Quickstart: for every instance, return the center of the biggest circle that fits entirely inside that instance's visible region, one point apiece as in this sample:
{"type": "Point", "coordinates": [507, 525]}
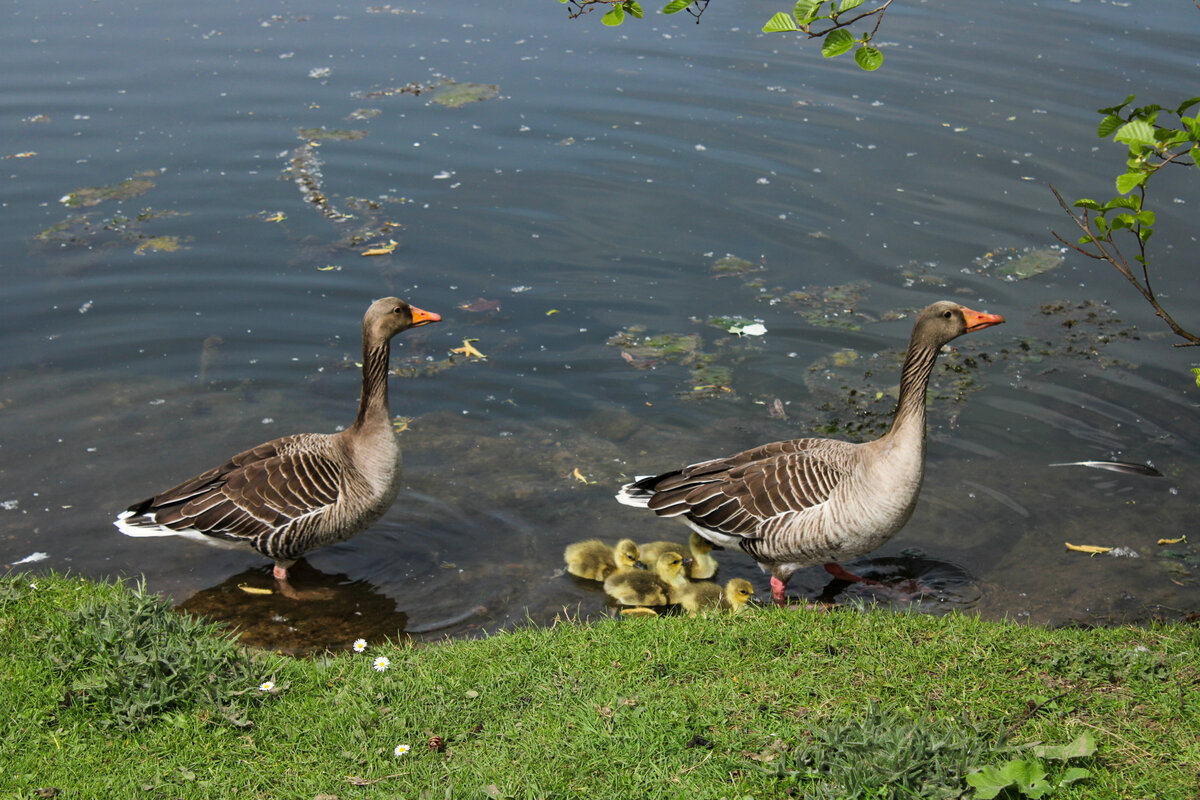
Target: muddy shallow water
{"type": "Point", "coordinates": [188, 196]}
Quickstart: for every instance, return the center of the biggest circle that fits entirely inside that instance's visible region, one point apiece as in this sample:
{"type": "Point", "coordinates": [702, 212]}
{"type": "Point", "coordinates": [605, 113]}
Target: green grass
{"type": "Point", "coordinates": [638, 708]}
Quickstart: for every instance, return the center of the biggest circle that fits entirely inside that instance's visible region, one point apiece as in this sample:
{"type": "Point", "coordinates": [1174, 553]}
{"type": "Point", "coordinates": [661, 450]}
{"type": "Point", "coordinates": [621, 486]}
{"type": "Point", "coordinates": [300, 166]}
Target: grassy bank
{"type": "Point", "coordinates": [767, 704]}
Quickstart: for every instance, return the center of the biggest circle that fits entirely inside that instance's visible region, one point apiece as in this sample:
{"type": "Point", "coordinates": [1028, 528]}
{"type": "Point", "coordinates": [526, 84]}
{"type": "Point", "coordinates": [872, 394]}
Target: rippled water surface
{"type": "Point", "coordinates": [187, 189]}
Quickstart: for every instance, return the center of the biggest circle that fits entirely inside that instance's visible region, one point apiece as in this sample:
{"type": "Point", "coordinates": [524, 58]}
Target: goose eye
{"type": "Point", "coordinates": [397, 310]}
{"type": "Point", "coordinates": [947, 314]}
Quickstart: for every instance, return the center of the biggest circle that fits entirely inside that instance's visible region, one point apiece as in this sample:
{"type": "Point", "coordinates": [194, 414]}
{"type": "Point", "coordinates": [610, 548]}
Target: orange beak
{"type": "Point", "coordinates": [978, 320]}
{"type": "Point", "coordinates": [422, 317]}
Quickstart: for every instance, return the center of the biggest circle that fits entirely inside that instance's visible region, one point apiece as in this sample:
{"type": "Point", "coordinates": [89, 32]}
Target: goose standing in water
{"type": "Point", "coordinates": [803, 502]}
{"type": "Point", "coordinates": [300, 492]}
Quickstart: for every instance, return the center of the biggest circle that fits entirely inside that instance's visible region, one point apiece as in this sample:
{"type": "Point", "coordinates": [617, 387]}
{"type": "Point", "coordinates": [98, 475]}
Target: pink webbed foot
{"type": "Point", "coordinates": [903, 591]}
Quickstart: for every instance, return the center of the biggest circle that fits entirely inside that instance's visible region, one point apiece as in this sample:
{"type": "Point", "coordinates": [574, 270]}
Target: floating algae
{"type": "Point", "coordinates": [731, 266]}
{"type": "Point", "coordinates": [161, 244]}
{"type": "Point", "coordinates": [454, 95]}
{"type": "Point", "coordinates": [1014, 265]}
{"type": "Point", "coordinates": [86, 196]}
{"type": "Point", "coordinates": [330, 134]}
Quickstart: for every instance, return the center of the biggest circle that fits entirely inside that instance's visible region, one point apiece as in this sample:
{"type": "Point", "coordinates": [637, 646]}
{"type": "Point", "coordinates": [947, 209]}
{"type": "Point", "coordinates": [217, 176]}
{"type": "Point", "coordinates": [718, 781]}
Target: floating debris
{"type": "Point", "coordinates": [381, 250]}
{"type": "Point", "coordinates": [86, 196]}
{"type": "Point", "coordinates": [468, 349]}
{"type": "Point", "coordinates": [1019, 265]}
{"type": "Point", "coordinates": [1090, 549]}
{"type": "Point", "coordinates": [825, 306]}
{"type": "Point", "coordinates": [412, 87]}
{"type": "Point", "coordinates": [1180, 540]}
{"type": "Point", "coordinates": [31, 559]}
{"type": "Point", "coordinates": [454, 95]}
{"type": "Point", "coordinates": [27, 154]}
{"type": "Point", "coordinates": [731, 266]}
{"type": "Point", "coordinates": [304, 169]}
{"type": "Point", "coordinates": [480, 306]}
{"type": "Point", "coordinates": [1124, 467]}
{"type": "Point", "coordinates": [363, 114]}
{"type": "Point", "coordinates": [162, 244]}
{"type": "Point", "coordinates": [330, 134]}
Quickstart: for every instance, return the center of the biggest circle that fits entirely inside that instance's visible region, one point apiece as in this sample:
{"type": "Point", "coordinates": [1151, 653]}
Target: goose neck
{"type": "Point", "coordinates": [914, 382]}
{"type": "Point", "coordinates": [373, 403]}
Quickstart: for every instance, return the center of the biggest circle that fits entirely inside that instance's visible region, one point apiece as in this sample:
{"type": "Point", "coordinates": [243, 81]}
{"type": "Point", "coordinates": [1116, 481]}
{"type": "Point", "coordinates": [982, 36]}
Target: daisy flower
{"type": "Point", "coordinates": [266, 686]}
{"type": "Point", "coordinates": [400, 750]}
{"type": "Point", "coordinates": [382, 663]}
{"type": "Point", "coordinates": [360, 645]}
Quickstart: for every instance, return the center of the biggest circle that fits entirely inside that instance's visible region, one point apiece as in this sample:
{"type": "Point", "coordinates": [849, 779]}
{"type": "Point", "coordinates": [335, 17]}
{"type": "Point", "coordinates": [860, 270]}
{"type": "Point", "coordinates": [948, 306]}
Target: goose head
{"type": "Point", "coordinates": [670, 568]}
{"type": "Point", "coordinates": [625, 554]}
{"type": "Point", "coordinates": [737, 592]}
{"type": "Point", "coordinates": [946, 320]}
{"type": "Point", "coordinates": [388, 316]}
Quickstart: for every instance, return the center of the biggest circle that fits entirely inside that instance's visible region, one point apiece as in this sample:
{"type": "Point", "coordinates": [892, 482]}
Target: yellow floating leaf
{"type": "Point", "coordinates": [400, 424]}
{"type": "Point", "coordinates": [1173, 541]}
{"type": "Point", "coordinates": [29, 154]}
{"type": "Point", "coordinates": [551, 312]}
{"type": "Point", "coordinates": [278, 216]}
{"type": "Point", "coordinates": [468, 349]}
{"type": "Point", "coordinates": [1088, 548]}
{"type": "Point", "coordinates": [382, 250]}
{"type": "Point", "coordinates": [253, 589]}
{"type": "Point", "coordinates": [328, 268]}
{"type": "Point", "coordinates": [577, 475]}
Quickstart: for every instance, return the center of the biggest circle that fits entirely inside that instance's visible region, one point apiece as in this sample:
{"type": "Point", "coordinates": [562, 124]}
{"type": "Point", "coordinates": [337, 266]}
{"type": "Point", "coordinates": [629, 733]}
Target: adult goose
{"type": "Point", "coordinates": [815, 501]}
{"type": "Point", "coordinates": [294, 494]}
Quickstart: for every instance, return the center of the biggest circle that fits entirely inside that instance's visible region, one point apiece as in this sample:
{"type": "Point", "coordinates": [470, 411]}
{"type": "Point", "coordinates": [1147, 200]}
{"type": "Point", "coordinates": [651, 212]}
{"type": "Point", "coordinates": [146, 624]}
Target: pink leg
{"type": "Point", "coordinates": [280, 573]}
{"type": "Point", "coordinates": [843, 574]}
{"type": "Point", "coordinates": [777, 589]}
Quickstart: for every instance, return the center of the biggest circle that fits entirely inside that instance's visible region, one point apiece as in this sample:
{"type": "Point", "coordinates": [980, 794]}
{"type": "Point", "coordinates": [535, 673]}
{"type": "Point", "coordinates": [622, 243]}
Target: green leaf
{"type": "Point", "coordinates": [846, 5]}
{"type": "Point", "coordinates": [868, 58]}
{"type": "Point", "coordinates": [780, 23]}
{"type": "Point", "coordinates": [1195, 153]}
{"type": "Point", "coordinates": [675, 6]}
{"type": "Point", "coordinates": [1085, 203]}
{"type": "Point", "coordinates": [1137, 132]}
{"type": "Point", "coordinates": [806, 10]}
{"type": "Point", "coordinates": [837, 42]}
{"type": "Point", "coordinates": [1116, 109]}
{"type": "Point", "coordinates": [1130, 181]}
{"type": "Point", "coordinates": [614, 17]}
{"type": "Point", "coordinates": [1074, 775]}
{"type": "Point", "coordinates": [1120, 221]}
{"type": "Point", "coordinates": [1193, 127]}
{"type": "Point", "coordinates": [1132, 202]}
{"type": "Point", "coordinates": [1102, 226]}
{"type": "Point", "coordinates": [1196, 372]}
{"type": "Point", "coordinates": [1108, 125]}
{"type": "Point", "coordinates": [633, 8]}
{"type": "Point", "coordinates": [990, 781]}
{"type": "Point", "coordinates": [1146, 220]}
{"type": "Point", "coordinates": [1086, 240]}
{"type": "Point", "coordinates": [1186, 104]}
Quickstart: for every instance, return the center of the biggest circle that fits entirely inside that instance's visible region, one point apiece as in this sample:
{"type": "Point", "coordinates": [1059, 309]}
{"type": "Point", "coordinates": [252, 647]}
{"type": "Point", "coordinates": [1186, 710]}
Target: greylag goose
{"type": "Point", "coordinates": [593, 560]}
{"type": "Point", "coordinates": [640, 587]}
{"type": "Point", "coordinates": [803, 502]}
{"type": "Point", "coordinates": [707, 596]}
{"type": "Point", "coordinates": [294, 494]}
{"type": "Point", "coordinates": [703, 565]}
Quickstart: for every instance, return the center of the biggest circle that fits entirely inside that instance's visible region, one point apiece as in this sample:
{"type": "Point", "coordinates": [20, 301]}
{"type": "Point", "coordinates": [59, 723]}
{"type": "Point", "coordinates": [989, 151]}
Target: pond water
{"type": "Point", "coordinates": [188, 189]}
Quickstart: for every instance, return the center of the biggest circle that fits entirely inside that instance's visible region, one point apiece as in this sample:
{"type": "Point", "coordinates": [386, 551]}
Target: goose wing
{"type": "Point", "coordinates": [254, 494]}
{"type": "Point", "coordinates": [738, 495]}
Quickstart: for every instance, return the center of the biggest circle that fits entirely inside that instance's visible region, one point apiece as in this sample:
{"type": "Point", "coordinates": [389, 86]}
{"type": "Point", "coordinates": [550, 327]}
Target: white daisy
{"type": "Point", "coordinates": [400, 750]}
{"type": "Point", "coordinates": [360, 645]}
{"type": "Point", "coordinates": [266, 686]}
{"type": "Point", "coordinates": [381, 663]}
